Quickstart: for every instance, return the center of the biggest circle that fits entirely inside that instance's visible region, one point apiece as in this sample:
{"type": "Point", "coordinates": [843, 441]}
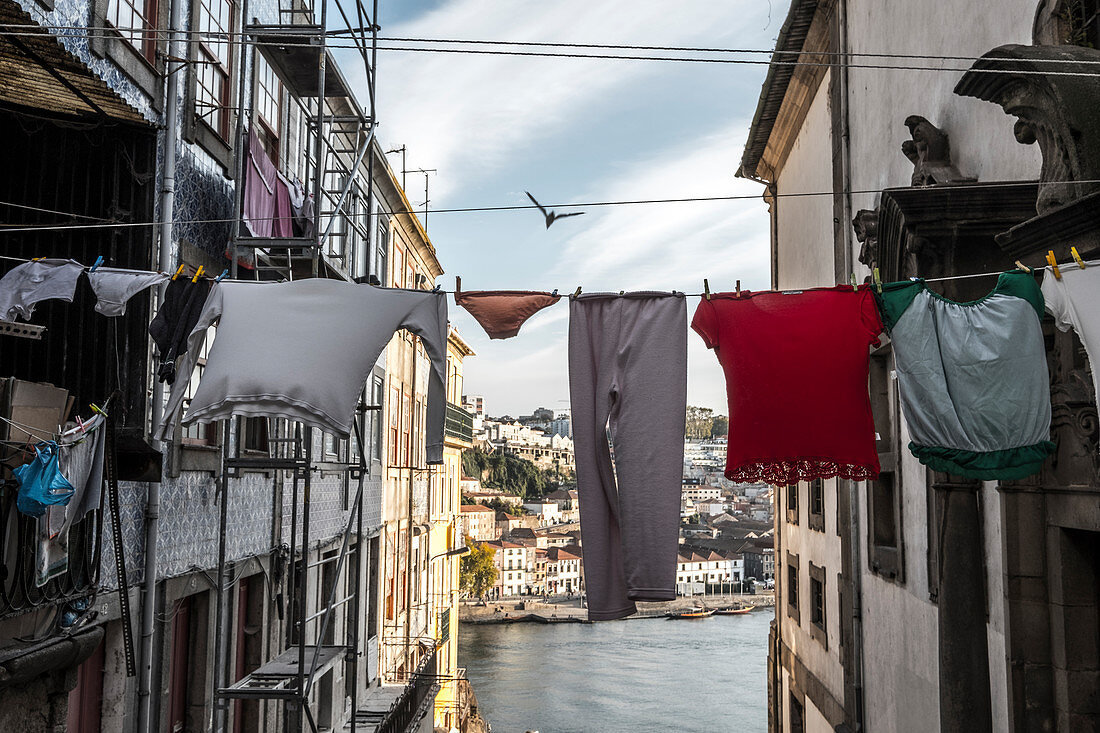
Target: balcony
{"type": "Point", "coordinates": [459, 425]}
{"type": "Point", "coordinates": [23, 588]}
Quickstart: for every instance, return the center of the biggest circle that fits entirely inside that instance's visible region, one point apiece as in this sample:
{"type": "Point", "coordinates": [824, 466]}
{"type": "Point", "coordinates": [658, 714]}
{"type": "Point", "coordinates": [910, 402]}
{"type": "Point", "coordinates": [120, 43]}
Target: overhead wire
{"type": "Point", "coordinates": [235, 38]}
{"type": "Point", "coordinates": [16, 229]}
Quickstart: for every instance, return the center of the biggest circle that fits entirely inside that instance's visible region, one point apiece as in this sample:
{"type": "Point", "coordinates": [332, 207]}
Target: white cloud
{"type": "Point", "coordinates": [675, 245]}
{"type": "Point", "coordinates": [469, 115]}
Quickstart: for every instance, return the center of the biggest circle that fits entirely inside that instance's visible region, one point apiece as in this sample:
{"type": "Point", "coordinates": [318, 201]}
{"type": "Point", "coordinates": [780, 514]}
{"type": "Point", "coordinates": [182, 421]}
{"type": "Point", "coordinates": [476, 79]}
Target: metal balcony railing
{"type": "Point", "coordinates": [459, 424]}
{"type": "Point", "coordinates": [418, 693]}
{"type": "Point", "coordinates": [19, 556]}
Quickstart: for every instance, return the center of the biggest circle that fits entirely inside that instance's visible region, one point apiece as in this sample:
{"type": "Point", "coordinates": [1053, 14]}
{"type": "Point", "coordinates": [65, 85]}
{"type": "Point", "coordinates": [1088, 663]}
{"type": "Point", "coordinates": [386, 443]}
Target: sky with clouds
{"type": "Point", "coordinates": [576, 130]}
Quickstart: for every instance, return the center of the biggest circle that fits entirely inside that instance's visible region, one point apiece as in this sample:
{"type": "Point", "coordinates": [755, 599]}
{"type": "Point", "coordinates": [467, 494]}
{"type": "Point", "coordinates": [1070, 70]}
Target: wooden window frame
{"type": "Point", "coordinates": [816, 504]}
{"type": "Point", "coordinates": [142, 39]}
{"type": "Point", "coordinates": [818, 605]}
{"type": "Point", "coordinates": [791, 501]}
{"type": "Point", "coordinates": [792, 588]}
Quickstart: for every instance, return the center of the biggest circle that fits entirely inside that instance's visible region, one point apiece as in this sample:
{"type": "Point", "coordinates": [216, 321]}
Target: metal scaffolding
{"type": "Point", "coordinates": [339, 134]}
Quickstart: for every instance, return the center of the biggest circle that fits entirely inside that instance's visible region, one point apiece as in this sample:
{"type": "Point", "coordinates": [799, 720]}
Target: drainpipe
{"type": "Point", "coordinates": [148, 709]}
{"type": "Point", "coordinates": [845, 268]}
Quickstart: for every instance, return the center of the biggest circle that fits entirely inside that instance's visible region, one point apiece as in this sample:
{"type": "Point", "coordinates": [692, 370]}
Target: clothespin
{"type": "Point", "coordinates": [706, 289]}
{"type": "Point", "coordinates": [1077, 256]}
{"type": "Point", "coordinates": [1053, 265]}
{"type": "Point", "coordinates": [198, 273]}
{"type": "Point", "coordinates": [436, 288]}
{"type": "Point", "coordinates": [178, 271]}
{"type": "Point", "coordinates": [458, 284]}
{"type": "Point", "coordinates": [555, 292]}
{"type": "Point", "coordinates": [738, 288]}
{"type": "Point", "coordinates": [853, 279]}
{"type": "Point", "coordinates": [1022, 266]}
{"type": "Point", "coordinates": [876, 279]}
{"type": "Point", "coordinates": [97, 263]}
{"type": "Point", "coordinates": [96, 409]}
{"type": "Point", "coordinates": [221, 277]}
{"type": "Point", "coordinates": [577, 292]}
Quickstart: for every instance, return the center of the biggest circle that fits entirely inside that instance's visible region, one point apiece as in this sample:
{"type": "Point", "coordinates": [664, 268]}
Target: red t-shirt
{"type": "Point", "coordinates": [796, 378]}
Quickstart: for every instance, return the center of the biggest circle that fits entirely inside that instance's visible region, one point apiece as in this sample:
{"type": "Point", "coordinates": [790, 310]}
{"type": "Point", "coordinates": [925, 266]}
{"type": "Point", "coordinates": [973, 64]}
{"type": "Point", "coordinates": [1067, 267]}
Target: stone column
{"type": "Point", "coordinates": [964, 651]}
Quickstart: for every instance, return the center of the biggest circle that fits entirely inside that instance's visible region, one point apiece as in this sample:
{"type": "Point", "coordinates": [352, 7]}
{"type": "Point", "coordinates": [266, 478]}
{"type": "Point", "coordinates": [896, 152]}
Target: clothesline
{"type": "Point", "coordinates": [580, 290]}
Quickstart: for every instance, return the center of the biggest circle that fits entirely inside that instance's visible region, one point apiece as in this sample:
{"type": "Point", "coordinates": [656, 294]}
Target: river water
{"type": "Point", "coordinates": [621, 676]}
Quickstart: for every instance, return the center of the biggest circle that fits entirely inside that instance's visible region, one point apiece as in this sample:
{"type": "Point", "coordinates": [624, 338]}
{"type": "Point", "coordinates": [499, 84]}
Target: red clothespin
{"type": "Point", "coordinates": [1053, 265]}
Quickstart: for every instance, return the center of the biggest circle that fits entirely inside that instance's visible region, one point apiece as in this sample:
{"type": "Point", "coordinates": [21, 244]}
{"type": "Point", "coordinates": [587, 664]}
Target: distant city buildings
{"type": "Point", "coordinates": [726, 535]}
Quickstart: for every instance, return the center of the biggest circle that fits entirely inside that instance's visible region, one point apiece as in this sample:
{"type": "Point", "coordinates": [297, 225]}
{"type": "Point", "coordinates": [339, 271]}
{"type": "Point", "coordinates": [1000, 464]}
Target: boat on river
{"type": "Point", "coordinates": [734, 611]}
{"type": "Point", "coordinates": [692, 613]}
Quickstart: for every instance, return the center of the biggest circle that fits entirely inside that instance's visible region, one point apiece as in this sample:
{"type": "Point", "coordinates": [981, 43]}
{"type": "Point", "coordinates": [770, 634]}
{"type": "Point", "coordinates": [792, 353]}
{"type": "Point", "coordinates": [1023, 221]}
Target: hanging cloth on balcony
{"type": "Point", "coordinates": [302, 350]}
{"type": "Point", "coordinates": [267, 209]}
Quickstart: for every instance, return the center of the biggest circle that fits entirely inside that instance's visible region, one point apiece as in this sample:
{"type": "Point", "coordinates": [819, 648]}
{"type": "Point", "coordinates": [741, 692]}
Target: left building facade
{"type": "Point", "coordinates": [143, 146]}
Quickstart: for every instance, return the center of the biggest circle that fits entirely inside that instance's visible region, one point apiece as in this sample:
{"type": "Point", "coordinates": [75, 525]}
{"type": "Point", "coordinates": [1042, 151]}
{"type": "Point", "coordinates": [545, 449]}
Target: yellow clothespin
{"type": "Point", "coordinates": [198, 272]}
{"type": "Point", "coordinates": [1022, 266]}
{"type": "Point", "coordinates": [178, 271]}
{"type": "Point", "coordinates": [1053, 265]}
{"type": "Point", "coordinates": [577, 292]}
{"type": "Point", "coordinates": [877, 279]}
{"type": "Point", "coordinates": [738, 288]}
{"type": "Point", "coordinates": [1077, 257]}
{"type": "Point", "coordinates": [853, 279]}
{"type": "Point", "coordinates": [706, 289]}
{"type": "Point", "coordinates": [95, 408]}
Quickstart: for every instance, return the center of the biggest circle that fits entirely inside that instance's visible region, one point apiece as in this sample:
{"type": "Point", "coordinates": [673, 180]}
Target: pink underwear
{"type": "Point", "coordinates": [502, 312]}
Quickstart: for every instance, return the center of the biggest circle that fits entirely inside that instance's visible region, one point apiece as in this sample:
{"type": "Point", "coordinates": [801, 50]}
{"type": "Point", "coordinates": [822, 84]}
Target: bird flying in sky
{"type": "Point", "coordinates": [550, 215]}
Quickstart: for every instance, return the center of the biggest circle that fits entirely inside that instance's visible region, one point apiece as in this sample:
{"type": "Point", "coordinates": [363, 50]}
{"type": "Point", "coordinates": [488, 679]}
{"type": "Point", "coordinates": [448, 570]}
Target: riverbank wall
{"type": "Point", "coordinates": [572, 611]}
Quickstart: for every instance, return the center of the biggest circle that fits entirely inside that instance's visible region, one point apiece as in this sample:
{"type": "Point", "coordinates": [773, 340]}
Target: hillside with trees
{"type": "Point", "coordinates": [510, 474]}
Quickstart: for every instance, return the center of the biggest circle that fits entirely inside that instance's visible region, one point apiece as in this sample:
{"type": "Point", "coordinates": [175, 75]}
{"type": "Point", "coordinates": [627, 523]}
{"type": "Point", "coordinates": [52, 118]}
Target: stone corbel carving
{"type": "Point", "coordinates": [1054, 109]}
{"type": "Point", "coordinates": [930, 153]}
{"type": "Point", "coordinates": [865, 225]}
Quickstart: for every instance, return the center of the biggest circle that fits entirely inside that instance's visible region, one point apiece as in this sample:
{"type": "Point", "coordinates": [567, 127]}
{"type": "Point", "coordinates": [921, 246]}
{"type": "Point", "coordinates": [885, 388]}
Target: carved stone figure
{"type": "Point", "coordinates": [865, 225]}
{"type": "Point", "coordinates": [930, 153]}
{"type": "Point", "coordinates": [1055, 110]}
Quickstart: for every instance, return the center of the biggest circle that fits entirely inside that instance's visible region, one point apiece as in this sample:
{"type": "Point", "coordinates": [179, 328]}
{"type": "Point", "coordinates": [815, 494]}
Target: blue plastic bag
{"type": "Point", "coordinates": [41, 483]}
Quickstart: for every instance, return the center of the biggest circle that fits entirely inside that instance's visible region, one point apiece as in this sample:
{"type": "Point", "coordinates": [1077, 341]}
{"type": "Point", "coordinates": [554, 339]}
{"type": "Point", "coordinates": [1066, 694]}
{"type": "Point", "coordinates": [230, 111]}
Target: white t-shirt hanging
{"type": "Point", "coordinates": [1074, 301]}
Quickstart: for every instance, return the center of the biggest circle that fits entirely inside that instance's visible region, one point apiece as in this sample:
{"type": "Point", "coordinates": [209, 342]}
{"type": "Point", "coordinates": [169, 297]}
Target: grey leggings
{"type": "Point", "coordinates": [628, 388]}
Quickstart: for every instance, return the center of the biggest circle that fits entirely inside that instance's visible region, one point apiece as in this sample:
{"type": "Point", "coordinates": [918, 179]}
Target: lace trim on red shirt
{"type": "Point", "coordinates": [789, 472]}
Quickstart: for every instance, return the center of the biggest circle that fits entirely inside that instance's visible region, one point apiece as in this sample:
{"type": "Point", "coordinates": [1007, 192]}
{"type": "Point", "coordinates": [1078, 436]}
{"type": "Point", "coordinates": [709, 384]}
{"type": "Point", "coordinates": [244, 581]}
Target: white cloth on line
{"type": "Point", "coordinates": [1074, 301]}
{"type": "Point", "coordinates": [114, 287]}
{"type": "Point", "coordinates": [302, 350]}
{"type": "Point", "coordinates": [32, 282]}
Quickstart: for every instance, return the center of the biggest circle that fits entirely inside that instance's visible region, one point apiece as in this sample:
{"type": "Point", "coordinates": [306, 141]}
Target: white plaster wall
{"type": "Point", "coordinates": [806, 222]}
{"type": "Point", "coordinates": [814, 721]}
{"type": "Point", "coordinates": [900, 632]}
{"type": "Point", "coordinates": [824, 550]}
{"type": "Point", "coordinates": [982, 143]}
